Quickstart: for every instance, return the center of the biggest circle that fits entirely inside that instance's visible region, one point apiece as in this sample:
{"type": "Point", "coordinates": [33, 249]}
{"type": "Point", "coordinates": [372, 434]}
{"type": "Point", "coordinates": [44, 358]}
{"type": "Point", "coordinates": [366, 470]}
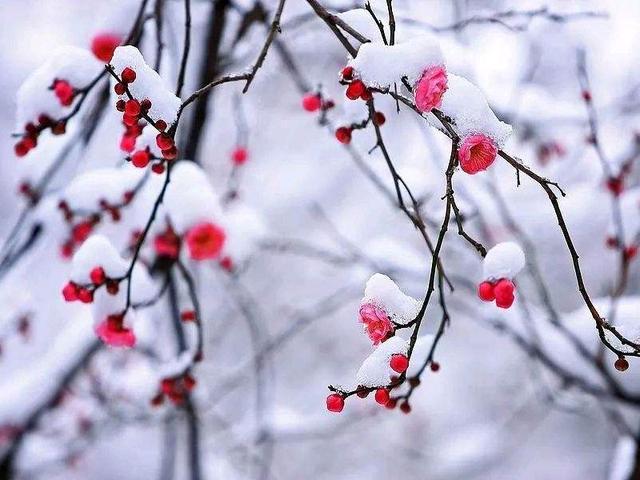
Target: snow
{"type": "Point", "coordinates": [76, 65]}
{"type": "Point", "coordinates": [38, 381]}
{"type": "Point", "coordinates": [245, 228]}
{"type": "Point", "coordinates": [623, 459]}
{"type": "Point", "coordinates": [190, 199]}
{"type": "Point", "coordinates": [379, 65]}
{"type": "Point", "coordinates": [96, 251]}
{"type": "Point", "coordinates": [87, 189]}
{"type": "Point", "coordinates": [382, 291]}
{"type": "Point", "coordinates": [375, 370]}
{"type": "Point", "coordinates": [504, 260]}
{"type": "Point", "coordinates": [419, 354]}
{"type": "Point", "coordinates": [466, 105]}
{"type": "Point", "coordinates": [147, 85]}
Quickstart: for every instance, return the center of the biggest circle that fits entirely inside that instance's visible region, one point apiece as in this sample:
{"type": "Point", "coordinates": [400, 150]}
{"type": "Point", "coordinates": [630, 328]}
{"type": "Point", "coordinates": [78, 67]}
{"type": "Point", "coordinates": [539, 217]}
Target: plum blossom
{"type": "Point", "coordinates": [377, 324]}
{"type": "Point", "coordinates": [476, 153]}
{"type": "Point", "coordinates": [113, 332]}
{"type": "Point", "coordinates": [205, 241]}
{"type": "Point", "coordinates": [430, 88]}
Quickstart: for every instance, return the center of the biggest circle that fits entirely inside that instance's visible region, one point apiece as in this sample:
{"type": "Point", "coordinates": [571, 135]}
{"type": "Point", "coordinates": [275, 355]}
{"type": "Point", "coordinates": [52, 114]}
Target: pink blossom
{"type": "Point", "coordinates": [377, 324]}
{"type": "Point", "coordinates": [476, 153]}
{"type": "Point", "coordinates": [113, 332]}
{"type": "Point", "coordinates": [430, 88]}
{"type": "Point", "coordinates": [205, 240]}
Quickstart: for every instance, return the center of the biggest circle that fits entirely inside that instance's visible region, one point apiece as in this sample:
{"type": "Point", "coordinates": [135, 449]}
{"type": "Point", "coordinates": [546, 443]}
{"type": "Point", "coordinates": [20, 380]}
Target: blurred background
{"type": "Point", "coordinates": [283, 325]}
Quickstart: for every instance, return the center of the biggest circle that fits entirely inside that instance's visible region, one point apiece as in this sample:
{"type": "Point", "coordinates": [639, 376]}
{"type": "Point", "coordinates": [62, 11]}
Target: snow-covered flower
{"type": "Point", "coordinates": [430, 88]}
{"type": "Point", "coordinates": [377, 324]}
{"type": "Point", "coordinates": [476, 153]}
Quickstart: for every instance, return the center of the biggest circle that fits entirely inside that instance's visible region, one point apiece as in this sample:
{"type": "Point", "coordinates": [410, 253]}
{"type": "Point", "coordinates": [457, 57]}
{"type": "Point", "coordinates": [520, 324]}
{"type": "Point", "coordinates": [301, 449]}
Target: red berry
{"type": "Point", "coordinates": [504, 293]}
{"type": "Point", "coordinates": [366, 95]}
{"type": "Point", "coordinates": [434, 366]}
{"type": "Point", "coordinates": [128, 75]}
{"type": "Point", "coordinates": [119, 88]}
{"type": "Point", "coordinates": [343, 134]}
{"type": "Point", "coordinates": [611, 242]}
{"type": "Point", "coordinates": [59, 128]}
{"type": "Point", "coordinates": [630, 252]}
{"type": "Point", "coordinates": [347, 73]}
{"type": "Point", "coordinates": [586, 95]}
{"type": "Point", "coordinates": [391, 404]}
{"type": "Point", "coordinates": [157, 168]}
{"type": "Point", "coordinates": [44, 120]}
{"type": "Point", "coordinates": [64, 91]}
{"type": "Point", "coordinates": [161, 125]}
{"type": "Point", "coordinates": [129, 120]}
{"type": "Point", "coordinates": [145, 105]}
{"type": "Point", "coordinates": [132, 108]}
{"type": "Point", "coordinates": [127, 143]}
{"type": "Point", "coordinates": [335, 403]}
{"type": "Point", "coordinates": [239, 155]}
{"type": "Point", "coordinates": [164, 141]}
{"type": "Point", "coordinates": [170, 153]}
{"type": "Point", "coordinates": [81, 231]}
{"type": "Point", "coordinates": [140, 158]}
{"type": "Point", "coordinates": [621, 364]}
{"type": "Point", "coordinates": [70, 292]}
{"type": "Point", "coordinates": [21, 148]}
{"type": "Point", "coordinates": [66, 250]}
{"type": "Point", "coordinates": [189, 382]}
{"type": "Point", "coordinates": [615, 185]}
{"type": "Point", "coordinates": [188, 316]}
{"type": "Point", "coordinates": [85, 295]}
{"type": "Point", "coordinates": [226, 263]}
{"type": "Point", "coordinates": [120, 105]}
{"type": "Point", "coordinates": [399, 363]}
{"type": "Point", "coordinates": [382, 396]}
{"type": "Point", "coordinates": [30, 142]}
{"type": "Point", "coordinates": [405, 407]}
{"type": "Point", "coordinates": [311, 102]}
{"type": "Point", "coordinates": [104, 44]}
{"type": "Point", "coordinates": [112, 287]}
{"type": "Point", "coordinates": [355, 90]}
{"type": "Point", "coordinates": [362, 393]}
{"type": "Point", "coordinates": [97, 276]}
{"type": "Point", "coordinates": [31, 129]}
{"type": "Point", "coordinates": [379, 119]}
{"type": "Point", "coordinates": [485, 292]}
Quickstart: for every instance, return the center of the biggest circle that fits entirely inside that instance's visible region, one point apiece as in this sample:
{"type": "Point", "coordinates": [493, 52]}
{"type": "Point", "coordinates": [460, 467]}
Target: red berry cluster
{"type": "Point", "coordinates": [29, 139]}
{"type": "Point", "coordinates": [84, 293]}
{"type": "Point", "coordinates": [81, 228]}
{"type": "Point", "coordinates": [356, 89]}
{"type": "Point", "coordinates": [312, 102]}
{"type": "Point", "coordinates": [502, 291]}
{"type": "Point", "coordinates": [133, 112]}
{"type": "Point", "coordinates": [398, 363]}
{"type": "Point", "coordinates": [176, 389]}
